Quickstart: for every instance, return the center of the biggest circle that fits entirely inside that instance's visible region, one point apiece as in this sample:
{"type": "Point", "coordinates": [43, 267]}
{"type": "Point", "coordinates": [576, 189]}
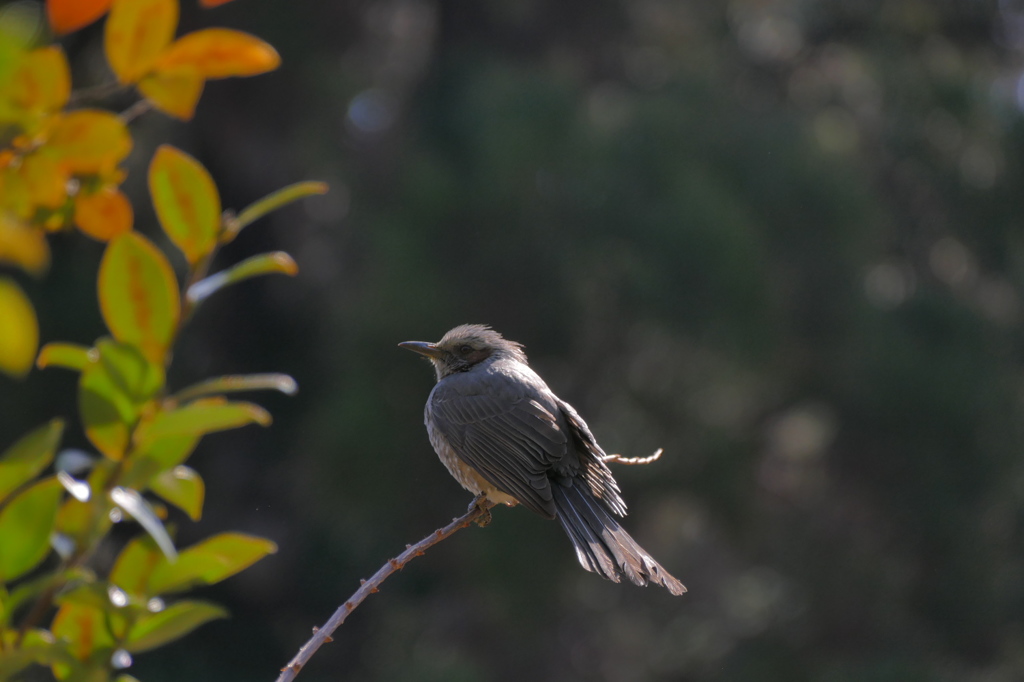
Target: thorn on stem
{"type": "Point", "coordinates": [328, 639]}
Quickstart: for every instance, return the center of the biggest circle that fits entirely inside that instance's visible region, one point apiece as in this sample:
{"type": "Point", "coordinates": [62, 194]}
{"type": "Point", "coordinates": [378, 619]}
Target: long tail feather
{"type": "Point", "coordinates": [602, 545]}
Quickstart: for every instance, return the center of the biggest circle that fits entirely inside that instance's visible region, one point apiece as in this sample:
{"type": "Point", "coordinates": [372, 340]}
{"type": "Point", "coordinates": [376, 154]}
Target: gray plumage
{"type": "Point", "coordinates": [503, 433]}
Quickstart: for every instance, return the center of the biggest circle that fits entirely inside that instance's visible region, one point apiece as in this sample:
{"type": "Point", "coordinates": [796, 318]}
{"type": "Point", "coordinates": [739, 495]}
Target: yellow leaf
{"type": "Point", "coordinates": [220, 53]}
{"type": "Point", "coordinates": [137, 32]}
{"type": "Point", "coordinates": [23, 246]}
{"type": "Point", "coordinates": [186, 202]}
{"type": "Point", "coordinates": [45, 180]}
{"type": "Point", "coordinates": [19, 331]}
{"type": "Point", "coordinates": [174, 91]}
{"type": "Point", "coordinates": [104, 214]}
{"type": "Point", "coordinates": [89, 141]}
{"type": "Point", "coordinates": [43, 82]}
{"type": "Point", "coordinates": [139, 295]}
{"type": "Point", "coordinates": [70, 15]}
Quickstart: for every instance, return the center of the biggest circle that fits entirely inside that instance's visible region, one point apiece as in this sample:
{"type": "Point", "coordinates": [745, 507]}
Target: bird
{"type": "Point", "coordinates": [508, 439]}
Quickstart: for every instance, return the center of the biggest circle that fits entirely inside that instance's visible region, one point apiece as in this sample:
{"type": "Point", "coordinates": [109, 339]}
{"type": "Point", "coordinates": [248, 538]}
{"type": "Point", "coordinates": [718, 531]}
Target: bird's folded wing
{"type": "Point", "coordinates": [512, 443]}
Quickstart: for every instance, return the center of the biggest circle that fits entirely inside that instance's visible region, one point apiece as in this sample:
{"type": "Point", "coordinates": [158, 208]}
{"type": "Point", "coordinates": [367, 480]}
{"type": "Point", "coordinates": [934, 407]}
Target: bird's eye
{"type": "Point", "coordinates": [465, 349]}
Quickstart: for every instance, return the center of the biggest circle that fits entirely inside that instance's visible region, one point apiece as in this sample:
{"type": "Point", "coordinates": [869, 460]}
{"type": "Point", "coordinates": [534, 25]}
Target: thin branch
{"type": "Point", "coordinates": [619, 459]}
{"type": "Point", "coordinates": [478, 511]}
{"type": "Point", "coordinates": [96, 92]}
{"type": "Point", "coordinates": [135, 110]}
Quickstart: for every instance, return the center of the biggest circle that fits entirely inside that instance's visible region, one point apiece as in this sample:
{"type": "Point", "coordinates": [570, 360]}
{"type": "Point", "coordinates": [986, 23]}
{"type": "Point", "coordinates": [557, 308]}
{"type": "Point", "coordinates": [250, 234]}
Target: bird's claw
{"type": "Point", "coordinates": [481, 502]}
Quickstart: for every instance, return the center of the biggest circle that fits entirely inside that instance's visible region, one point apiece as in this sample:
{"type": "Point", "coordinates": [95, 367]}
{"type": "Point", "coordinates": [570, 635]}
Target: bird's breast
{"type": "Point", "coordinates": [466, 475]}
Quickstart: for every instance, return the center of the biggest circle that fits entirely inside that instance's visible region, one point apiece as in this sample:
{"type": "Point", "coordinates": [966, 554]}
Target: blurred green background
{"type": "Point", "coordinates": [781, 239]}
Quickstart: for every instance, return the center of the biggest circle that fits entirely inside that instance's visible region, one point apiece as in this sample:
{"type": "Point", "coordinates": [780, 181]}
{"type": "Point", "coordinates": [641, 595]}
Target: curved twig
{"type": "Point", "coordinates": [619, 459]}
{"type": "Point", "coordinates": [477, 512]}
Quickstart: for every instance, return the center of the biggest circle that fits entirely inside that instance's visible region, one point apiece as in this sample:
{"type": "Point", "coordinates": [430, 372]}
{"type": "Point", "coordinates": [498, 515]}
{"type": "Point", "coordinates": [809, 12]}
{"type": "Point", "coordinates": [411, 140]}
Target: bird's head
{"type": "Point", "coordinates": [465, 347]}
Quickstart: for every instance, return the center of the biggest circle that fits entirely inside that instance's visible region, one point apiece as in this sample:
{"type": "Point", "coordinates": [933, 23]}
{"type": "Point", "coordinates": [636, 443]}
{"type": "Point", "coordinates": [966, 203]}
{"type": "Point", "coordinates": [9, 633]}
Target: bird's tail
{"type": "Point", "coordinates": [602, 545]}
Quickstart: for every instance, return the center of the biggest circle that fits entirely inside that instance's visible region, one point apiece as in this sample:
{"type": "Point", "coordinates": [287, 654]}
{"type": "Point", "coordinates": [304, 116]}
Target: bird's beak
{"type": "Point", "coordinates": [423, 348]}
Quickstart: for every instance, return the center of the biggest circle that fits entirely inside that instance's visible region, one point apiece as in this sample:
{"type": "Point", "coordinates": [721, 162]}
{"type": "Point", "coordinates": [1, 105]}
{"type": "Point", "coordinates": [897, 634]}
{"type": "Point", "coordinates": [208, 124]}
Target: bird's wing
{"type": "Point", "coordinates": [510, 440]}
{"type": "Point", "coordinates": [595, 472]}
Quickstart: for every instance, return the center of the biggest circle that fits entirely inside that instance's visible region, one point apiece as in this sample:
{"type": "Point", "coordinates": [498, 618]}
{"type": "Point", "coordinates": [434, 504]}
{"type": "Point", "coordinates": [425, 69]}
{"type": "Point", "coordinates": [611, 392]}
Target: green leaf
{"type": "Point", "coordinates": [37, 646]}
{"type": "Point", "coordinates": [66, 355]}
{"type": "Point", "coordinates": [25, 526]}
{"type": "Point", "coordinates": [186, 202]}
{"type": "Point", "coordinates": [111, 393]}
{"type": "Point", "coordinates": [139, 295]}
{"type": "Point", "coordinates": [183, 487]}
{"type": "Point", "coordinates": [136, 506]}
{"type": "Point", "coordinates": [236, 383]}
{"type": "Point", "coordinates": [177, 620]}
{"type": "Point", "coordinates": [262, 264]}
{"type": "Point", "coordinates": [199, 418]}
{"type": "Point", "coordinates": [135, 376]}
{"type": "Point", "coordinates": [209, 561]}
{"type": "Point", "coordinates": [21, 462]}
{"type": "Point", "coordinates": [274, 201]}
{"type": "Point", "coordinates": [134, 565]}
{"type": "Point", "coordinates": [170, 451]}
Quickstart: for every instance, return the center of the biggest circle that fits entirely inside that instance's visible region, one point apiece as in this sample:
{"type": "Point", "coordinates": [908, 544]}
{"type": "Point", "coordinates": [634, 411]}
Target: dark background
{"type": "Point", "coordinates": [782, 240]}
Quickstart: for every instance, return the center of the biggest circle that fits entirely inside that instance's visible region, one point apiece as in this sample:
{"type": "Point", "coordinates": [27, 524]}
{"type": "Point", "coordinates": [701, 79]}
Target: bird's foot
{"type": "Point", "coordinates": [484, 505]}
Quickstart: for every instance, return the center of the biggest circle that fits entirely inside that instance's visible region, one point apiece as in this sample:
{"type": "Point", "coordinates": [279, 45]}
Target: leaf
{"type": "Point", "coordinates": [21, 462]}
{"type": "Point", "coordinates": [136, 34]}
{"type": "Point", "coordinates": [262, 264]}
{"type": "Point", "coordinates": [89, 141]}
{"type": "Point", "coordinates": [83, 627]}
{"type": "Point", "coordinates": [104, 214]}
{"type": "Point", "coordinates": [276, 200]}
{"type": "Point", "coordinates": [134, 565]}
{"type": "Point", "coordinates": [19, 330]}
{"type": "Point", "coordinates": [23, 246]}
{"type": "Point", "coordinates": [177, 620]}
{"type": "Point", "coordinates": [25, 526]}
{"type": "Point", "coordinates": [111, 392]}
{"type": "Point", "coordinates": [220, 53]}
{"type": "Point", "coordinates": [43, 82]}
{"type": "Point", "coordinates": [209, 562]}
{"type": "Point", "coordinates": [70, 15]}
{"type": "Point", "coordinates": [168, 451]}
{"type": "Point", "coordinates": [239, 382]}
{"type": "Point", "coordinates": [183, 487]}
{"type": "Point", "coordinates": [135, 505]}
{"type": "Point", "coordinates": [200, 418]}
{"type": "Point", "coordinates": [139, 295]}
{"type": "Point", "coordinates": [132, 374]}
{"type": "Point", "coordinates": [66, 355]}
{"type": "Point", "coordinates": [173, 91]}
{"type": "Point", "coordinates": [186, 202]}
{"type": "Point", "coordinates": [45, 180]}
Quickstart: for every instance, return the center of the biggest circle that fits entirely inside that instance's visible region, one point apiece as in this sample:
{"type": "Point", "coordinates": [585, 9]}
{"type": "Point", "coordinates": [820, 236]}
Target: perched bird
{"type": "Point", "coordinates": [506, 437]}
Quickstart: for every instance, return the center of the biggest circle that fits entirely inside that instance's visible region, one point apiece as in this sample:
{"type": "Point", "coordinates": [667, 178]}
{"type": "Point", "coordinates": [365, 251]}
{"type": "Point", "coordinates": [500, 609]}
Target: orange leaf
{"type": "Point", "coordinates": [45, 181]}
{"type": "Point", "coordinates": [221, 52]}
{"type": "Point", "coordinates": [174, 91]}
{"type": "Point", "coordinates": [43, 82]}
{"type": "Point", "coordinates": [23, 246]}
{"type": "Point", "coordinates": [137, 32]}
{"type": "Point", "coordinates": [70, 15]}
{"type": "Point", "coordinates": [139, 295]}
{"type": "Point", "coordinates": [186, 202]}
{"type": "Point", "coordinates": [104, 214]}
{"type": "Point", "coordinates": [212, 3]}
{"type": "Point", "coordinates": [89, 141]}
